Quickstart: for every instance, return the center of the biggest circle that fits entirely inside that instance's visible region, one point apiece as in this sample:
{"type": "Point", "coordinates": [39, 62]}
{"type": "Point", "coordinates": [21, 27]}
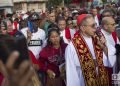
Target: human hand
{"type": "Point", "coordinates": [50, 73]}
{"type": "Point", "coordinates": [36, 66]}
{"type": "Point", "coordinates": [16, 77]}
{"type": "Point", "coordinates": [29, 35]}
{"type": "Point", "coordinates": [101, 41]}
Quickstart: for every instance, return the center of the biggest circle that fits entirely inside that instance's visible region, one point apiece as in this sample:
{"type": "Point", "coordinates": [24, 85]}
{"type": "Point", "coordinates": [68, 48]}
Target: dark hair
{"type": "Point", "coordinates": [22, 24]}
{"type": "Point", "coordinates": [8, 44]}
{"type": "Point", "coordinates": [53, 26]}
{"type": "Point", "coordinates": [50, 10]}
{"type": "Point", "coordinates": [49, 34]}
{"type": "Point", "coordinates": [60, 19]}
{"type": "Point", "coordinates": [107, 10]}
{"type": "Point", "coordinates": [69, 18]}
{"type": "Point", "coordinates": [4, 23]}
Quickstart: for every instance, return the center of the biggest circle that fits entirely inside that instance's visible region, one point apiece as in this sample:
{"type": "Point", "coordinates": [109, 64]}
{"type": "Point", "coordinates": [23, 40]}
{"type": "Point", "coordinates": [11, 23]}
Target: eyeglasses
{"type": "Point", "coordinates": [114, 24]}
{"type": "Point", "coordinates": [92, 26]}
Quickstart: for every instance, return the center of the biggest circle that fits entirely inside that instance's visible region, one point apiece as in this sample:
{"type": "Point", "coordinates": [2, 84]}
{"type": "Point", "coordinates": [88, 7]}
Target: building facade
{"type": "Point", "coordinates": [28, 5]}
{"type": "Point", "coordinates": [6, 6]}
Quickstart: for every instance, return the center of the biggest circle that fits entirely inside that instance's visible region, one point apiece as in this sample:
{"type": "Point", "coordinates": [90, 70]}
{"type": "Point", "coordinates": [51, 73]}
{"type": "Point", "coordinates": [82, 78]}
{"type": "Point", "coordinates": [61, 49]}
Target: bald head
{"type": "Point", "coordinates": [108, 24]}
{"type": "Point", "coordinates": [107, 20]}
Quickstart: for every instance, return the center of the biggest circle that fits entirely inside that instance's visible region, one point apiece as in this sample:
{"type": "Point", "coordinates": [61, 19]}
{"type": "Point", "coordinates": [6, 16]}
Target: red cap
{"type": "Point", "coordinates": [80, 18]}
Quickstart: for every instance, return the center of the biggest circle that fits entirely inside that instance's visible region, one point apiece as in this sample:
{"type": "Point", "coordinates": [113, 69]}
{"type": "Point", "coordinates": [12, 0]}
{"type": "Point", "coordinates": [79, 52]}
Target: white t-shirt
{"type": "Point", "coordinates": [39, 36]}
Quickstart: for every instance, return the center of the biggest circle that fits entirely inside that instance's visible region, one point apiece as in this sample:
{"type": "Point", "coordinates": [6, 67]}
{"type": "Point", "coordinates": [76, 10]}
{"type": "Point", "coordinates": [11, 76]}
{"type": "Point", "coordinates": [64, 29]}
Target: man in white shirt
{"type": "Point", "coordinates": [35, 36]}
{"type": "Point", "coordinates": [108, 27]}
{"type": "Point", "coordinates": [95, 15]}
{"type": "Point", "coordinates": [85, 59]}
{"type": "Point", "coordinates": [62, 25]}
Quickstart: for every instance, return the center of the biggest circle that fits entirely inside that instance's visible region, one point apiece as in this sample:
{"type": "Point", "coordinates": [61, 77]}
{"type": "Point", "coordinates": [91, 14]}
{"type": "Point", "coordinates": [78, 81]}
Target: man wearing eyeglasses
{"type": "Point", "coordinates": [85, 59]}
{"type": "Point", "coordinates": [108, 27]}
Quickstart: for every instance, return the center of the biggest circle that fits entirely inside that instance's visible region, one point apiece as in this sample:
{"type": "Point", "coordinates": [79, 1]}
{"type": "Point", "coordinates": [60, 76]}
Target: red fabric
{"type": "Point", "coordinates": [15, 24]}
{"type": "Point", "coordinates": [1, 78]}
{"type": "Point", "coordinates": [34, 60]}
{"type": "Point", "coordinates": [80, 18]}
{"type": "Point", "coordinates": [77, 32]}
{"type": "Point", "coordinates": [114, 35]}
{"type": "Point", "coordinates": [89, 0]}
{"type": "Point", "coordinates": [49, 58]}
{"type": "Point", "coordinates": [76, 1]}
{"type": "Point", "coordinates": [67, 33]}
{"type": "Point", "coordinates": [13, 32]}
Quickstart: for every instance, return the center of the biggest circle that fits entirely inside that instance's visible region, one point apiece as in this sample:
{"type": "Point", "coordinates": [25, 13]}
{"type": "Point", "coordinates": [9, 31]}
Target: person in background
{"type": "Point", "coordinates": [51, 17]}
{"type": "Point", "coordinates": [61, 22]}
{"type": "Point", "coordinates": [66, 12]}
{"type": "Point", "coordinates": [96, 16]}
{"type": "Point", "coordinates": [108, 27]}
{"type": "Point", "coordinates": [51, 58]}
{"type": "Point", "coordinates": [70, 28]}
{"type": "Point", "coordinates": [3, 28]}
{"type": "Point", "coordinates": [7, 28]}
{"type": "Point", "coordinates": [35, 36]}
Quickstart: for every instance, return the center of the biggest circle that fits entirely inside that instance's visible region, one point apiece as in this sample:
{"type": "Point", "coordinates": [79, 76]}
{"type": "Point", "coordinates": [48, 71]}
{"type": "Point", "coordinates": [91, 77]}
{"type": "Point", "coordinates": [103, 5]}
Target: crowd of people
{"type": "Point", "coordinates": [60, 47]}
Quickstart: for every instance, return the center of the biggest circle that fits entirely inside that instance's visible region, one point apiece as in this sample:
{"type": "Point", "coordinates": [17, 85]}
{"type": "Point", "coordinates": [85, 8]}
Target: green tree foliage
{"type": "Point", "coordinates": [67, 1]}
{"type": "Point", "coordinates": [55, 2]}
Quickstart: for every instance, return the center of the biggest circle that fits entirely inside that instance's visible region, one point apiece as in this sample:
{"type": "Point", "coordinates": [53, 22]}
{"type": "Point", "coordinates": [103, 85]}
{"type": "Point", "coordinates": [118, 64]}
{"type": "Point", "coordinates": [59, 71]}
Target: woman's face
{"type": "Point", "coordinates": [9, 26]}
{"type": "Point", "coordinates": [54, 38]}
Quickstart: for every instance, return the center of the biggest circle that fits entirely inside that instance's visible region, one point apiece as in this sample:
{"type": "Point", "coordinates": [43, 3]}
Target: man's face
{"type": "Point", "coordinates": [110, 25]}
{"type": "Point", "coordinates": [35, 25]}
{"type": "Point", "coordinates": [70, 24]}
{"type": "Point", "coordinates": [90, 27]}
{"type": "Point", "coordinates": [62, 24]}
{"type": "Point", "coordinates": [94, 12]}
{"type": "Point", "coordinates": [66, 13]}
{"type": "Point", "coordinates": [51, 17]}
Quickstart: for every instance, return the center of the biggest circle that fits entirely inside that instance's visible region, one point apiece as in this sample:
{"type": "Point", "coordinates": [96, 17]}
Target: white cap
{"type": "Point", "coordinates": [74, 11]}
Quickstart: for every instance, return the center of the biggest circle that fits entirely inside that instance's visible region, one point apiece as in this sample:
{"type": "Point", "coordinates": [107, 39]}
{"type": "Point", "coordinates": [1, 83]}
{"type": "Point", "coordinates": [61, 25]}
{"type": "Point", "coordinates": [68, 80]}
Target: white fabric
{"type": "Point", "coordinates": [74, 74]}
{"type": "Point", "coordinates": [62, 34]}
{"type": "Point", "coordinates": [72, 32]}
{"type": "Point", "coordinates": [14, 26]}
{"type": "Point", "coordinates": [25, 16]}
{"type": "Point", "coordinates": [39, 35]}
{"type": "Point", "coordinates": [96, 20]}
{"type": "Point", "coordinates": [111, 47]}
